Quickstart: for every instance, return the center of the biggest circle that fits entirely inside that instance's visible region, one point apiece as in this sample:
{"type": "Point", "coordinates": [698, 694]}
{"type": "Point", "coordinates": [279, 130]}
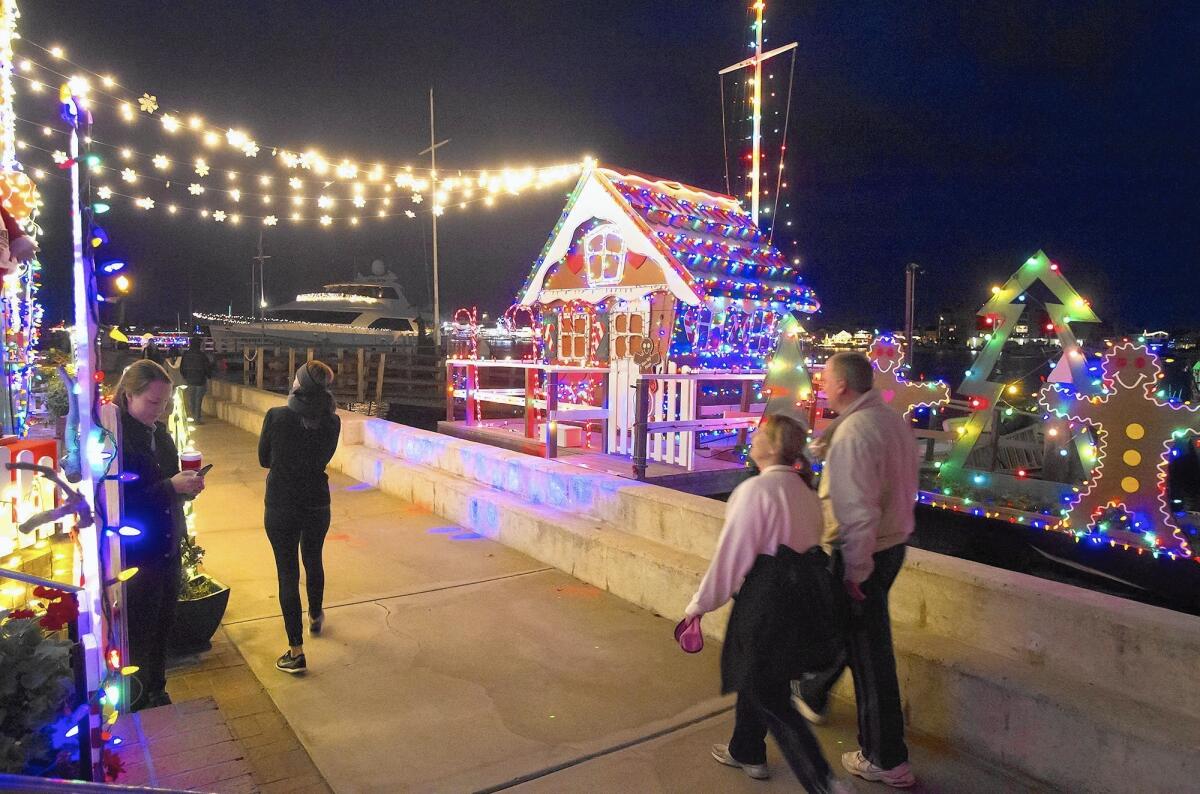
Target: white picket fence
{"type": "Point", "coordinates": [671, 400]}
{"type": "Point", "coordinates": [22, 494]}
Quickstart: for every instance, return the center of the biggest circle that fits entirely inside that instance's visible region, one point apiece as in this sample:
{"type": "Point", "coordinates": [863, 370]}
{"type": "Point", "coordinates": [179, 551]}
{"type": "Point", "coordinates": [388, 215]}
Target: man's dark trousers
{"type": "Point", "coordinates": [873, 665]}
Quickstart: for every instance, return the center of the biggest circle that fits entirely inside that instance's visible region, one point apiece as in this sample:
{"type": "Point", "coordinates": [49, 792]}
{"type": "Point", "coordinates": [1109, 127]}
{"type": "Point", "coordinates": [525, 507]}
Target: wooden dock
{"type": "Point", "coordinates": [717, 470]}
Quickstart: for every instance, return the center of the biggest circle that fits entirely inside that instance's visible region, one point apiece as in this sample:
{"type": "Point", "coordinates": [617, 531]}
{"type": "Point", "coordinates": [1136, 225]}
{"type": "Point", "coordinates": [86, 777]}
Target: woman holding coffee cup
{"type": "Point", "coordinates": [296, 444]}
{"type": "Point", "coordinates": [153, 505]}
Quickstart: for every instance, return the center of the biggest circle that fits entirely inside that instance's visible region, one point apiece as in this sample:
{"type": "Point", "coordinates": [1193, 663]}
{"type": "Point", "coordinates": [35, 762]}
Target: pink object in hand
{"type": "Point", "coordinates": [190, 460]}
{"type": "Point", "coordinates": [687, 634]}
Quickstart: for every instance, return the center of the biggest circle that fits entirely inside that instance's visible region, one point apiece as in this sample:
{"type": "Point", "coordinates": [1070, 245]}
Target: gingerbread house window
{"type": "Point", "coordinates": [604, 255]}
{"type": "Point", "coordinates": [628, 330]}
{"type": "Point", "coordinates": [574, 337]}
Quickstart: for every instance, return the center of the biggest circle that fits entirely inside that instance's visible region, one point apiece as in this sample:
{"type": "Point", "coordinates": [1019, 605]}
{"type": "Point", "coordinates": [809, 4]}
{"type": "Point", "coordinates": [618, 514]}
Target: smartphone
{"type": "Point", "coordinates": [204, 470]}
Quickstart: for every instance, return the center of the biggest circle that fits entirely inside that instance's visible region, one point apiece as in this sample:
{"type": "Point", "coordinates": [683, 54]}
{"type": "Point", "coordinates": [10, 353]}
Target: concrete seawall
{"type": "Point", "coordinates": [1084, 691]}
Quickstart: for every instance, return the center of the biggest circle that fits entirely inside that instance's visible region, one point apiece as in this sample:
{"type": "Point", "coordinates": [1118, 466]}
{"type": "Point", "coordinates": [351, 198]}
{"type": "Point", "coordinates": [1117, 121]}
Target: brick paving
{"type": "Point", "coordinates": [222, 734]}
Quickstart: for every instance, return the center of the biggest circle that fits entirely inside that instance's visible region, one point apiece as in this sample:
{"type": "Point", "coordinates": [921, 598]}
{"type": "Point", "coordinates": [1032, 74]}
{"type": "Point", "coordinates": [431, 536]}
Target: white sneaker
{"type": "Point", "coordinates": [900, 776]}
{"type": "Point", "coordinates": [757, 771]}
{"type": "Point", "coordinates": [814, 717]}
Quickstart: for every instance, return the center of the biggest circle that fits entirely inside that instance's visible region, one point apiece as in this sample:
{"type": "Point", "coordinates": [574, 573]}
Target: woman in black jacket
{"type": "Point", "coordinates": [296, 443]}
{"type": "Point", "coordinates": [154, 490]}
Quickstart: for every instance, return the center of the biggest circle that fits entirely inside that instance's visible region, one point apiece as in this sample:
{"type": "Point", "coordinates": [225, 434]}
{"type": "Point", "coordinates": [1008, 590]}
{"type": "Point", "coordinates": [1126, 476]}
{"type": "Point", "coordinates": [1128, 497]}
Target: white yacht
{"type": "Point", "coordinates": [370, 311]}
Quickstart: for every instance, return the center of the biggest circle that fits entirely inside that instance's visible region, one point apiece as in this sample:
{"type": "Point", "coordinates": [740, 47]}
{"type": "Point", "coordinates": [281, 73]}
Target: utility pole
{"type": "Point", "coordinates": [910, 299]}
{"type": "Point", "coordinates": [433, 147]}
{"type": "Point", "coordinates": [756, 101]}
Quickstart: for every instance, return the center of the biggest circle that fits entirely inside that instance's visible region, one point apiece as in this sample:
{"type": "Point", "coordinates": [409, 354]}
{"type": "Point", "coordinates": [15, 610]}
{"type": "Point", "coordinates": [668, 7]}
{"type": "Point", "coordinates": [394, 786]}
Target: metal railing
{"type": "Point", "coordinates": [23, 783]}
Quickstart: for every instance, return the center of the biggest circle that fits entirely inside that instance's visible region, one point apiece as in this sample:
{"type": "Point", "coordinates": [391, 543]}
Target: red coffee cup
{"type": "Point", "coordinates": [190, 460]}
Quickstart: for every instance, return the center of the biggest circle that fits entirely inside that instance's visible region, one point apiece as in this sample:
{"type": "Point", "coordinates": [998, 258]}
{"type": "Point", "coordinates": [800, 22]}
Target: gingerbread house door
{"type": "Point", "coordinates": [626, 329]}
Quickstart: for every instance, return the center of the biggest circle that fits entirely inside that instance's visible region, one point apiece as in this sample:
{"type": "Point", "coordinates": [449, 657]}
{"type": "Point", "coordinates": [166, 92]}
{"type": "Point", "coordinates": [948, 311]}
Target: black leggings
{"type": "Point", "coordinates": [150, 599]}
{"type": "Point", "coordinates": [296, 533]}
{"type": "Point", "coordinates": [766, 706]}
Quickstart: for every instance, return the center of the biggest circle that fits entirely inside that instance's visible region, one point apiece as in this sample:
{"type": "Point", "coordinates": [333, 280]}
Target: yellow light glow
{"type": "Point", "coordinates": [122, 283]}
{"type": "Point", "coordinates": [36, 86]}
{"type": "Point", "coordinates": [170, 123]}
{"type": "Point", "coordinates": [326, 220]}
{"type": "Point", "coordinates": [26, 65]}
{"type": "Point", "coordinates": [127, 574]}
{"type": "Point", "coordinates": [295, 216]}
{"type": "Point", "coordinates": [56, 52]}
{"type": "Point", "coordinates": [195, 122]}
{"type": "Point", "coordinates": [266, 199]}
{"type": "Point", "coordinates": [126, 153]}
{"type": "Point", "coordinates": [171, 208]}
{"type": "Point", "coordinates": [211, 138]}
{"type": "Point", "coordinates": [264, 180]}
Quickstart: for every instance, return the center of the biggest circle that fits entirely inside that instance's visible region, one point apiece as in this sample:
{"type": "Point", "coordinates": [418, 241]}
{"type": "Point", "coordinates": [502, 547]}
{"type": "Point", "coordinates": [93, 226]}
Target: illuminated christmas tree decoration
{"type": "Point", "coordinates": [1003, 310]}
{"type": "Point", "coordinates": [901, 394]}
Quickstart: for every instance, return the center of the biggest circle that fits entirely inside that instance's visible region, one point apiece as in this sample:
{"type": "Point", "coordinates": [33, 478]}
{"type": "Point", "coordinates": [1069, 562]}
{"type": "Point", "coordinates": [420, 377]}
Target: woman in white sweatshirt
{"type": "Point", "coordinates": [769, 555]}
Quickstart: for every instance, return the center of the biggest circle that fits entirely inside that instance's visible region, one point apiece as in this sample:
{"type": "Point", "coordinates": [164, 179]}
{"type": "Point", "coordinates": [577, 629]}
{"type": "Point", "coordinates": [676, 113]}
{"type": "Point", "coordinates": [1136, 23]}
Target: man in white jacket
{"type": "Point", "coordinates": [868, 488]}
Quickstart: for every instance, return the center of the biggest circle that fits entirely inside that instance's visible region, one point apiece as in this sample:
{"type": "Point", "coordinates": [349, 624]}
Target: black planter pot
{"type": "Point", "coordinates": [197, 620]}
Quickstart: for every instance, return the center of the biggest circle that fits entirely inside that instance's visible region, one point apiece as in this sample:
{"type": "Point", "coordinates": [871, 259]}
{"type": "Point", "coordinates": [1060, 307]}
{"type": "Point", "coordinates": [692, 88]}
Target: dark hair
{"type": "Point", "coordinates": [136, 378]}
{"type": "Point", "coordinates": [855, 369]}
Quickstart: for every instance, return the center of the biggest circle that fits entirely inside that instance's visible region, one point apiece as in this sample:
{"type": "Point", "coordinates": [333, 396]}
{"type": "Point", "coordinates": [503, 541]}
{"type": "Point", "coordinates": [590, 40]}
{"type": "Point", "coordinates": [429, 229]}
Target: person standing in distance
{"type": "Point", "coordinates": [196, 369]}
{"type": "Point", "coordinates": [868, 488]}
{"type": "Point", "coordinates": [296, 444]}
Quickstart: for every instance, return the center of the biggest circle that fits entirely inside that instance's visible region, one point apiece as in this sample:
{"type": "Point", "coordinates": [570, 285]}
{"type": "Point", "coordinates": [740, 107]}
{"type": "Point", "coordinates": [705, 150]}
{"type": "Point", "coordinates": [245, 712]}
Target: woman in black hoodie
{"type": "Point", "coordinates": [296, 444]}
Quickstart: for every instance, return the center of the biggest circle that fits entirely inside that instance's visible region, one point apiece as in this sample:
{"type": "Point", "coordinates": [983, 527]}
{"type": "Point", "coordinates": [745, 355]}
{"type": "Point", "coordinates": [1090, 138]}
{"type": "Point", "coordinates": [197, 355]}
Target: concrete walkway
{"type": "Point", "coordinates": [451, 663]}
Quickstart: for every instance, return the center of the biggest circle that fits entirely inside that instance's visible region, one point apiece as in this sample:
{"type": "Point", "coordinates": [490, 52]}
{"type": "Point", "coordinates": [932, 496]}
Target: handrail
{"type": "Point", "coordinates": [22, 783]}
{"type": "Point", "coordinates": [37, 581]}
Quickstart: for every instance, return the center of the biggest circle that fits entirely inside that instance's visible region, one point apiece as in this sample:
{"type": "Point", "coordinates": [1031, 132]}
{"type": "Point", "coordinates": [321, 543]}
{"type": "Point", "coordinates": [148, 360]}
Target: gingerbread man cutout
{"type": "Point", "coordinates": [901, 394]}
{"type": "Point", "coordinates": [1135, 434]}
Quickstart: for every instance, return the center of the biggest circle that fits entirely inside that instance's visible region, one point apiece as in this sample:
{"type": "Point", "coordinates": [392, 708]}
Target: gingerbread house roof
{"type": "Point", "coordinates": [705, 243]}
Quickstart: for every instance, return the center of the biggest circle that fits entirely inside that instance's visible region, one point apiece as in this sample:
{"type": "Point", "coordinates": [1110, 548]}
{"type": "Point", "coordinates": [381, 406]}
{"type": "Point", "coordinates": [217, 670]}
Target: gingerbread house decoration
{"type": "Point", "coordinates": [643, 274]}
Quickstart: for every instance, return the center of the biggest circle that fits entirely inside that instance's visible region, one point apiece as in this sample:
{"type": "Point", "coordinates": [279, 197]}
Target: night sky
{"type": "Point", "coordinates": [963, 136]}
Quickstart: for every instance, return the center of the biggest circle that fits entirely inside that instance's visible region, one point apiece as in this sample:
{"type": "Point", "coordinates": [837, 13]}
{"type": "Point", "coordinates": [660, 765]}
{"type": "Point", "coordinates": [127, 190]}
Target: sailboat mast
{"type": "Point", "coordinates": [756, 106]}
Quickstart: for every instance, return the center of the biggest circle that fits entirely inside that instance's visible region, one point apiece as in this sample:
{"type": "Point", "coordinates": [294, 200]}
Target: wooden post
{"type": "Point", "coordinates": [310, 355]}
{"type": "Point", "coordinates": [379, 379]}
{"type": "Point", "coordinates": [552, 414]}
{"type": "Point", "coordinates": [362, 375]}
{"type": "Point", "coordinates": [245, 367]}
{"type": "Point", "coordinates": [291, 368]}
{"type": "Point", "coordinates": [608, 415]}
{"type": "Point", "coordinates": [258, 370]}
{"type": "Point", "coordinates": [530, 411]}
{"type": "Point", "coordinates": [743, 406]}
{"type": "Point", "coordinates": [640, 431]}
{"type": "Point", "coordinates": [995, 438]}
{"type": "Point", "coordinates": [449, 392]}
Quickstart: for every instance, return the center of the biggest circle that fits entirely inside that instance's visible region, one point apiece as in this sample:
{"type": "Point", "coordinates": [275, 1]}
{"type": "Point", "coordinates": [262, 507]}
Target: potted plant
{"type": "Point", "coordinates": [35, 685]}
{"type": "Point", "coordinates": [58, 402]}
{"type": "Point", "coordinates": [202, 603]}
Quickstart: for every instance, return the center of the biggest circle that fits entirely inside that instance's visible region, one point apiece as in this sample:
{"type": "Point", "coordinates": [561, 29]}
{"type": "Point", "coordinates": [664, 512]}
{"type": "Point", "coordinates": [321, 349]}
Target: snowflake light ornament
{"type": "Point", "coordinates": [161, 162]}
{"type": "Point", "coordinates": [417, 198]}
{"type": "Point", "coordinates": [60, 158]}
{"type": "Point", "coordinates": [202, 168]}
{"type": "Point", "coordinates": [146, 203]}
{"type": "Point", "coordinates": [105, 193]}
{"type": "Point", "coordinates": [219, 216]}
{"type": "Point", "coordinates": [410, 214]}
{"type": "Point", "coordinates": [250, 149]}
{"type": "Point", "coordinates": [359, 201]}
{"type": "Point", "coordinates": [295, 184]}
{"type": "Point", "coordinates": [170, 123]}
{"type": "Point", "coordinates": [270, 220]}
{"type": "Point", "coordinates": [195, 189]}
{"type": "Point", "coordinates": [148, 103]}
{"type": "Point", "coordinates": [326, 220]}
{"type": "Point", "coordinates": [129, 175]}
